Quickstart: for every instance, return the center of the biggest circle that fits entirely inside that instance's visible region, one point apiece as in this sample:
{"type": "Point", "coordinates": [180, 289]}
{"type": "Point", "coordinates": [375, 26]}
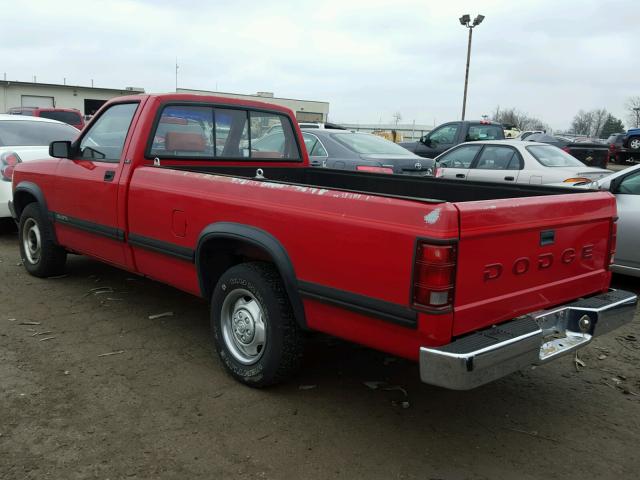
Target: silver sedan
{"type": "Point", "coordinates": [625, 185]}
{"type": "Point", "coordinates": [514, 161]}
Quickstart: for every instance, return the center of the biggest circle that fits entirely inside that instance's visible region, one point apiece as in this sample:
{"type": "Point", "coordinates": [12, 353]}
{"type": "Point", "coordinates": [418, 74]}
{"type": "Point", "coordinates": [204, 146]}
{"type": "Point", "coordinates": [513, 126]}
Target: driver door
{"type": "Point", "coordinates": [455, 163]}
{"type": "Point", "coordinates": [85, 206]}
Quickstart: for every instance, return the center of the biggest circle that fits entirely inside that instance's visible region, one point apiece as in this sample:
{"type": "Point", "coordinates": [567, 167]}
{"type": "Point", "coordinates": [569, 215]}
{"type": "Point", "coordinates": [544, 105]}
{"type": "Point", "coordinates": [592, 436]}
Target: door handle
{"type": "Point", "coordinates": [459, 175]}
{"type": "Point", "coordinates": [109, 175]}
{"type": "Point", "coordinates": [509, 179]}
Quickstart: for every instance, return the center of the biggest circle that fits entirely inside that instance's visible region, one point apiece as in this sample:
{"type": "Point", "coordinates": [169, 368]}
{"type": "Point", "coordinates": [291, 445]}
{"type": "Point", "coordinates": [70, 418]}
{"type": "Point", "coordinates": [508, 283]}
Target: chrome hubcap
{"type": "Point", "coordinates": [635, 144]}
{"type": "Point", "coordinates": [243, 326]}
{"type": "Point", "coordinates": [31, 241]}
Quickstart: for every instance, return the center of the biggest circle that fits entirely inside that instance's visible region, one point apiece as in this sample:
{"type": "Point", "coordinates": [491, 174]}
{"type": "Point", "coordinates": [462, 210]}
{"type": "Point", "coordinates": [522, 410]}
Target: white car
{"type": "Point", "coordinates": [514, 161]}
{"type": "Point", "coordinates": [24, 138]}
{"type": "Point", "coordinates": [625, 185]}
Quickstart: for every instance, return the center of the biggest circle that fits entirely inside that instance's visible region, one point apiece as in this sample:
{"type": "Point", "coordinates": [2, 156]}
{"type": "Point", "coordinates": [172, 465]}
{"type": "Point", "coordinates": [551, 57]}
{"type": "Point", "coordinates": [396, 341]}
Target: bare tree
{"type": "Point", "coordinates": [522, 120]}
{"type": "Point", "coordinates": [582, 123]}
{"type": "Point", "coordinates": [633, 108]}
{"type": "Point", "coordinates": [600, 116]}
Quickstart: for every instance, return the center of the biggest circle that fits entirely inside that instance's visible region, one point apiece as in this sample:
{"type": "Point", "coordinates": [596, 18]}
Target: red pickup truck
{"type": "Point", "coordinates": [473, 280]}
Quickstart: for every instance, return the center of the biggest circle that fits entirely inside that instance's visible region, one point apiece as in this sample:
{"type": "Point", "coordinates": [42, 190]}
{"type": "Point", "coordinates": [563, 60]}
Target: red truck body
{"type": "Point", "coordinates": [354, 263]}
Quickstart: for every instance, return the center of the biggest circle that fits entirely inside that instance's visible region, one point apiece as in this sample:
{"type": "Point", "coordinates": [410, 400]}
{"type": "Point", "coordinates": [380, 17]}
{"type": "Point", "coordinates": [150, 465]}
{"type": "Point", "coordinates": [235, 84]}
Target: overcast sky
{"type": "Point", "coordinates": [369, 58]}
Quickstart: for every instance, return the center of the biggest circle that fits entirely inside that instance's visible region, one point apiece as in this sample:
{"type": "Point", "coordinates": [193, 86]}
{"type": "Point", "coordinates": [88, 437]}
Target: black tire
{"type": "Point", "coordinates": [51, 258]}
{"type": "Point", "coordinates": [255, 285]}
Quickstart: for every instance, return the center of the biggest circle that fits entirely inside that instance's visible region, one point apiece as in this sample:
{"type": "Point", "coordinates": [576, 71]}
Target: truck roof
{"type": "Point", "coordinates": [190, 97]}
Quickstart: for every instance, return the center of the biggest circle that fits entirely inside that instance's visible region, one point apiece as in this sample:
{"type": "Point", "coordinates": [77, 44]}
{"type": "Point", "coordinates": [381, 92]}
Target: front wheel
{"type": "Point", "coordinates": [634, 143]}
{"type": "Point", "coordinates": [41, 257]}
{"type": "Point", "coordinates": [254, 330]}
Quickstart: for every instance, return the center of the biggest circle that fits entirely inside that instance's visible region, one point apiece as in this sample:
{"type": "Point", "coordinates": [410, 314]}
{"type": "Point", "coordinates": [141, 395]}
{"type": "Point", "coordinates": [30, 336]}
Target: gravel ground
{"type": "Point", "coordinates": [90, 387]}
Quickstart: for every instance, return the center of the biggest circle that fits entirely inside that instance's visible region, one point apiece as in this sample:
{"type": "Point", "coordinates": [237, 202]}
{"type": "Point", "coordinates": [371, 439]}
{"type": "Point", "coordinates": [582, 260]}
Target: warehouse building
{"type": "Point", "coordinates": [45, 95]}
{"type": "Point", "coordinates": [305, 110]}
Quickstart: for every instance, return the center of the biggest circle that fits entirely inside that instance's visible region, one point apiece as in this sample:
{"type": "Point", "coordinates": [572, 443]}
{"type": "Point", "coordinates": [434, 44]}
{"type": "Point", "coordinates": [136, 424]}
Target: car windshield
{"type": "Point", "coordinates": [551, 156]}
{"type": "Point", "coordinates": [364, 143]}
{"type": "Point", "coordinates": [23, 133]}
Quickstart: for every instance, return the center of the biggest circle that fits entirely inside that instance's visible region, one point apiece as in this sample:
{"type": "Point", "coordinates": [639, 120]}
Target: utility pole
{"type": "Point", "coordinates": [177, 74]}
{"type": "Point", "coordinates": [637, 110]}
{"type": "Point", "coordinates": [465, 21]}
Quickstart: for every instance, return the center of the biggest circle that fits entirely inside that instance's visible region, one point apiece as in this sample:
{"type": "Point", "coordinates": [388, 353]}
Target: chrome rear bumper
{"type": "Point", "coordinates": [532, 339]}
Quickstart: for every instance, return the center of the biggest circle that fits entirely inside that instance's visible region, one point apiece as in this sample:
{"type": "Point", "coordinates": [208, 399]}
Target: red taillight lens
{"type": "Point", "coordinates": [434, 276]}
{"type": "Point", "coordinates": [8, 161]}
{"type": "Point", "coordinates": [566, 149]}
{"type": "Point", "coordinates": [613, 241]}
{"type": "Point", "coordinates": [612, 147]}
{"type": "Point", "coordinates": [370, 169]}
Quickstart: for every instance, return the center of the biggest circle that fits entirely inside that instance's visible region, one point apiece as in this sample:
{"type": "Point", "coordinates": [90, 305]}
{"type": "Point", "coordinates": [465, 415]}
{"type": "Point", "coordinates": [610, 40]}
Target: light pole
{"type": "Point", "coordinates": [465, 21]}
{"type": "Point", "coordinates": [637, 110]}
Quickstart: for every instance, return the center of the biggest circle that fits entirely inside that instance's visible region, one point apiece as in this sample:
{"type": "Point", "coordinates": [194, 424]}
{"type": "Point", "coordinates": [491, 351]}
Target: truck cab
{"type": "Point", "coordinates": [450, 134]}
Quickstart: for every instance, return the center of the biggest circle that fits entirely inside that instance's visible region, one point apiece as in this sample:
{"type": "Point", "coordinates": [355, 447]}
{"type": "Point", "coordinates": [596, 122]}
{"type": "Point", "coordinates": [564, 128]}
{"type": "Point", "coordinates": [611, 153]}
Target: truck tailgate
{"type": "Point", "coordinates": [520, 255]}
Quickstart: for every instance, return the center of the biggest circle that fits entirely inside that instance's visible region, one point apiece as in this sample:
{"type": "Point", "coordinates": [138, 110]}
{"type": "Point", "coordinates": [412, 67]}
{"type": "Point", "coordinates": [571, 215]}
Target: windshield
{"type": "Point", "coordinates": [369, 144]}
{"type": "Point", "coordinates": [23, 133]}
{"type": "Point", "coordinates": [551, 156]}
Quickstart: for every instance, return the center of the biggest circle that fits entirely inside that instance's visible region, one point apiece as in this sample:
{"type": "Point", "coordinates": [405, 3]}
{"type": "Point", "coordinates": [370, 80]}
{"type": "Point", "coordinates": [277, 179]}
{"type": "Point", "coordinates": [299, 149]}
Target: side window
{"type": "Point", "coordinates": [460, 157]}
{"type": "Point", "coordinates": [498, 158]}
{"type": "Point", "coordinates": [444, 135]}
{"type": "Point", "coordinates": [184, 132]}
{"type": "Point", "coordinates": [314, 147]}
{"type": "Point", "coordinates": [630, 185]}
{"type": "Point", "coordinates": [272, 137]}
{"type": "Point", "coordinates": [105, 139]}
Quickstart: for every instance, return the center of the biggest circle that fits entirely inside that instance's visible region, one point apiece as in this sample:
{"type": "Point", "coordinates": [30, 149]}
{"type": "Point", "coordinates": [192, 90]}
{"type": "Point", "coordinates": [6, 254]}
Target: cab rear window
{"type": "Point", "coordinates": [208, 132]}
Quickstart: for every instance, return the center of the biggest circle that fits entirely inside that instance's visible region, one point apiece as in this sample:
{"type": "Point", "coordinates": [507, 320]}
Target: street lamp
{"type": "Point", "coordinates": [465, 21]}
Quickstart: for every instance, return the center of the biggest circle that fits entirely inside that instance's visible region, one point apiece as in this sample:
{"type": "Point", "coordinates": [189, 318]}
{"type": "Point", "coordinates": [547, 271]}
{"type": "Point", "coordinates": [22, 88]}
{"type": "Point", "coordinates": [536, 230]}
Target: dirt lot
{"type": "Point", "coordinates": [161, 406]}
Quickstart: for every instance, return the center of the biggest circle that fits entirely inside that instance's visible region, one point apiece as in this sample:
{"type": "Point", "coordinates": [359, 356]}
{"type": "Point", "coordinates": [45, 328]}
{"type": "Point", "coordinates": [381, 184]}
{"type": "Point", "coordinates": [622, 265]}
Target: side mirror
{"type": "Point", "coordinates": [426, 140]}
{"type": "Point", "coordinates": [60, 149]}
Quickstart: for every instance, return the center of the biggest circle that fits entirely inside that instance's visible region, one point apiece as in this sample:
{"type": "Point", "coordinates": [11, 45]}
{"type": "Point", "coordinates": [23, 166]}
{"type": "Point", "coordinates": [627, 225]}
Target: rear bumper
{"type": "Point", "coordinates": [533, 339]}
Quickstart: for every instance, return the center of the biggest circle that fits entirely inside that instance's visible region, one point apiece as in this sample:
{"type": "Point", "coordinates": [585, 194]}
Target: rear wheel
{"type": "Point", "coordinates": [254, 330]}
{"type": "Point", "coordinates": [41, 257]}
{"type": "Point", "coordinates": [634, 143]}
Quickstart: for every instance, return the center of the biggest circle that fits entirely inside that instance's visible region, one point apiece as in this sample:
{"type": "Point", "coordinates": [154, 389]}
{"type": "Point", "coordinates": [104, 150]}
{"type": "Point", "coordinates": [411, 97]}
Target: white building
{"type": "Point", "coordinates": [85, 99]}
{"type": "Point", "coordinates": [305, 110]}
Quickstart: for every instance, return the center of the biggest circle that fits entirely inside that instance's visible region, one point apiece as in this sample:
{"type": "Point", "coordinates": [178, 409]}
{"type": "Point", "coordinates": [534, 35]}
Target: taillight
{"type": "Point", "coordinates": [566, 149]}
{"type": "Point", "coordinates": [434, 276]}
{"type": "Point", "coordinates": [8, 161]}
{"type": "Point", "coordinates": [370, 169]}
{"type": "Point", "coordinates": [612, 147]}
{"type": "Point", "coordinates": [613, 240]}
{"type": "Point", "coordinates": [576, 180]}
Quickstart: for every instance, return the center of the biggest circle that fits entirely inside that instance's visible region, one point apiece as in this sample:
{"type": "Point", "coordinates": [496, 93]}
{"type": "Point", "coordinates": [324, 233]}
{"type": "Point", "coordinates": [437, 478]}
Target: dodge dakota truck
{"type": "Point", "coordinates": [473, 281]}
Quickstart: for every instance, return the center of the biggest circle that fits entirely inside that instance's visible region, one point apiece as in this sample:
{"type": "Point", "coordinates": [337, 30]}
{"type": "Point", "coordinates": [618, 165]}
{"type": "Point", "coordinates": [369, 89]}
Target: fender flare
{"type": "Point", "coordinates": [261, 239]}
{"type": "Point", "coordinates": [34, 190]}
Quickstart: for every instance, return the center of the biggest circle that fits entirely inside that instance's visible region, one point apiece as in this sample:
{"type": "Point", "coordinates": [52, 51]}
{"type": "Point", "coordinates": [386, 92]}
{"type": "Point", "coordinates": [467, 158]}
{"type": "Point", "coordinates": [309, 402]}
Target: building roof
{"type": "Point", "coordinates": [8, 83]}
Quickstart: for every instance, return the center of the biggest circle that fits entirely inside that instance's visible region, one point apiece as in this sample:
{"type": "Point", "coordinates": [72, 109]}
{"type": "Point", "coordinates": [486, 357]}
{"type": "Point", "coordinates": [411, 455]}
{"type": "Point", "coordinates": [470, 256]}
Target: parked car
{"type": "Point", "coordinates": [71, 116]}
{"type": "Point", "coordinates": [23, 139]}
{"type": "Point", "coordinates": [514, 161]}
{"type": "Point", "coordinates": [511, 131]}
{"type": "Point", "coordinates": [618, 153]}
{"type": "Point", "coordinates": [632, 142]}
{"type": "Point", "coordinates": [591, 154]}
{"type": "Point", "coordinates": [523, 135]}
{"type": "Point", "coordinates": [450, 134]}
{"type": "Point", "coordinates": [625, 185]}
{"type": "Point", "coordinates": [346, 150]}
{"type": "Point", "coordinates": [422, 268]}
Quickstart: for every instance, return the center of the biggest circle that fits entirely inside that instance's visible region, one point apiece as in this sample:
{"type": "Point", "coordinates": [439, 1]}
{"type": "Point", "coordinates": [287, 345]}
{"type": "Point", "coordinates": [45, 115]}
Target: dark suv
{"type": "Point", "coordinates": [617, 151]}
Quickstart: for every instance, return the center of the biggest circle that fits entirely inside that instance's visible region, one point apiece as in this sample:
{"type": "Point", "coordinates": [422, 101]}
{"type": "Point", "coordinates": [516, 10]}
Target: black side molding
{"type": "Point", "coordinates": [171, 249]}
{"type": "Point", "coordinates": [373, 307]}
{"type": "Point", "coordinates": [91, 227]}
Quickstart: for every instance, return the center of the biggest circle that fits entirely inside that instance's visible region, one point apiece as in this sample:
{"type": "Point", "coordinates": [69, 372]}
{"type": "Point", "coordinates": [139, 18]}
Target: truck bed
{"type": "Point", "coordinates": [423, 189]}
